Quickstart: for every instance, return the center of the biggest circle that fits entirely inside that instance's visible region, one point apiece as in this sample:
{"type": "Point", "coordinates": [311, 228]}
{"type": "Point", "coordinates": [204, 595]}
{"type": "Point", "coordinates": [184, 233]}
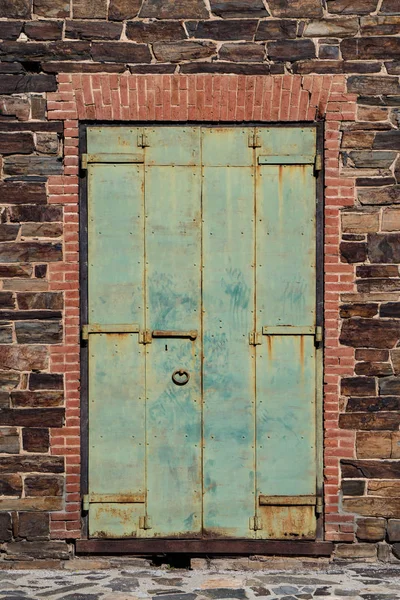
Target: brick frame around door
{"type": "Point", "coordinates": [203, 98]}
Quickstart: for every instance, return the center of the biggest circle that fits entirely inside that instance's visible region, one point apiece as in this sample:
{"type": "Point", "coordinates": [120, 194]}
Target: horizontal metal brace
{"type": "Point", "coordinates": [114, 498]}
{"type": "Point", "coordinates": [118, 328]}
{"type": "Point", "coordinates": [289, 330]}
{"type": "Point", "coordinates": [158, 333]}
{"type": "Point", "coordinates": [111, 158]}
{"type": "Point", "coordinates": [287, 159]}
{"type": "Point", "coordinates": [287, 500]}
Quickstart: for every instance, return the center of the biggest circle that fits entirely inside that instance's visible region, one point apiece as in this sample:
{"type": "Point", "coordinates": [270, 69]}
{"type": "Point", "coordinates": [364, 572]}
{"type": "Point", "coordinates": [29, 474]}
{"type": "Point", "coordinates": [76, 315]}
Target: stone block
{"type": "Point", "coordinates": [368, 404]}
{"type": "Point", "coordinates": [28, 464]}
{"type": "Point", "coordinates": [177, 51]}
{"type": "Point", "coordinates": [156, 31]}
{"type": "Point", "coordinates": [395, 356]}
{"type": "Point", "coordinates": [9, 380]}
{"type": "Point", "coordinates": [371, 529]}
{"type": "Point", "coordinates": [38, 230]}
{"type": "Point", "coordinates": [351, 7]}
{"type": "Point", "coordinates": [43, 485]}
{"type": "Point", "coordinates": [372, 159]}
{"type": "Point", "coordinates": [370, 506]}
{"type": "Point", "coordinates": [40, 271]}
{"type": "Point", "coordinates": [33, 526]}
{"type": "Point", "coordinates": [8, 232]}
{"type": "Point", "coordinates": [38, 550]}
{"type": "Point", "coordinates": [375, 369]}
{"type": "Point", "coordinates": [358, 310]}
{"type": "Point", "coordinates": [39, 332]}
{"type": "Point", "coordinates": [14, 84]}
{"type": "Point", "coordinates": [23, 315]}
{"type": "Point", "coordinates": [283, 29]}
{"type": "Point", "coordinates": [32, 417]}
{"type": "Point", "coordinates": [358, 139]}
{"type": "Point", "coordinates": [342, 27]}
{"type": "Point", "coordinates": [390, 7]}
{"type": "Point", "coordinates": [373, 85]}
{"type": "Point", "coordinates": [372, 113]}
{"type": "Point", "coordinates": [375, 181]}
{"type": "Point", "coordinates": [245, 52]}
{"type": "Point", "coordinates": [353, 252]}
{"type": "Point", "coordinates": [51, 8]}
{"type": "Point", "coordinates": [44, 30]}
{"type": "Point", "coordinates": [22, 358]}
{"type": "Point", "coordinates": [370, 48]}
{"type": "Point", "coordinates": [372, 444]}
{"type": "Point", "coordinates": [370, 333]}
{"type": "Point", "coordinates": [184, 9]}
{"type": "Point", "coordinates": [37, 214]}
{"type": "Point", "coordinates": [16, 143]}
{"type": "Point", "coordinates": [120, 52]}
{"type": "Point", "coordinates": [391, 219]}
{"type": "Point", "coordinates": [93, 30]}
{"type": "Point", "coordinates": [372, 354]}
{"type": "Point", "coordinates": [18, 192]}
{"type": "Point", "coordinates": [328, 52]}
{"type": "Point", "coordinates": [47, 143]}
{"type": "Point", "coordinates": [370, 469]}
{"type": "Point", "coordinates": [15, 106]}
{"type": "Point", "coordinates": [360, 222]}
{"type": "Point", "coordinates": [291, 50]}
{"type": "Point", "coordinates": [233, 29]}
{"type": "Point", "coordinates": [40, 301]}
{"type": "Point", "coordinates": [369, 286]}
{"type": "Point", "coordinates": [10, 30]}
{"type": "Point", "coordinates": [40, 399]}
{"type": "Point", "coordinates": [370, 421]}
{"type": "Point", "coordinates": [7, 300]}
{"type": "Point", "coordinates": [387, 140]}
{"type": "Point", "coordinates": [358, 386]}
{"type": "Point", "coordinates": [353, 487]}
{"type": "Point", "coordinates": [384, 248]}
{"type": "Point", "coordinates": [5, 527]}
{"type": "Point", "coordinates": [89, 9]}
{"type": "Point", "coordinates": [389, 385]}
{"type": "Point", "coordinates": [16, 9]}
{"type": "Point", "coordinates": [35, 439]}
{"type": "Point", "coordinates": [226, 67]}
{"type": "Point", "coordinates": [229, 9]}
{"type": "Point", "coordinates": [120, 10]}
{"type": "Point", "coordinates": [393, 530]}
{"type": "Point", "coordinates": [33, 165]}
{"type": "Point", "coordinates": [296, 8]}
{"type": "Point", "coordinates": [9, 440]}
{"type": "Point", "coordinates": [31, 251]}
{"type": "Point", "coordinates": [355, 551]}
{"type": "Point", "coordinates": [11, 485]}
{"type": "Point", "coordinates": [380, 196]}
{"type": "Point", "coordinates": [6, 333]}
{"type": "Point", "coordinates": [31, 504]}
{"type": "Point", "coordinates": [39, 51]}
{"type": "Point", "coordinates": [390, 309]}
{"type": "Point", "coordinates": [383, 271]}
{"type": "Point", "coordinates": [46, 381]}
{"type": "Point", "coordinates": [379, 25]}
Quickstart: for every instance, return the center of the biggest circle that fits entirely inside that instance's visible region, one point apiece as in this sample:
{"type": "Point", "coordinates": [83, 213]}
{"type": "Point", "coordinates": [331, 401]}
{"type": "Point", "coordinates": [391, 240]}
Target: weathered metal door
{"type": "Point", "coordinates": [201, 332]}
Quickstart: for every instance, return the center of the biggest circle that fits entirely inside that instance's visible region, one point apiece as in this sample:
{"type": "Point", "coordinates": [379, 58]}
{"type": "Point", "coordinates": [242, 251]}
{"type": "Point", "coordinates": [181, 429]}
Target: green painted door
{"type": "Point", "coordinates": [203, 362]}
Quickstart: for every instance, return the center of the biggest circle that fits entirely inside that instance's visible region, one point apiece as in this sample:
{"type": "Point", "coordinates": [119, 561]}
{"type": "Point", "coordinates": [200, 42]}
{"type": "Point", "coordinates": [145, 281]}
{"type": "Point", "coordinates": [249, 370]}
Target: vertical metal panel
{"type": "Point", "coordinates": [173, 294]}
{"type": "Point", "coordinates": [116, 361]}
{"type": "Point", "coordinates": [286, 437]}
{"type": "Point", "coordinates": [228, 305]}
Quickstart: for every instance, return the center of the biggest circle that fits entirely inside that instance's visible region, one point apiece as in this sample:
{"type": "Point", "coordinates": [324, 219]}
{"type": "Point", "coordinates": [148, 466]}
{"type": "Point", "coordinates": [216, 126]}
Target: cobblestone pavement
{"type": "Point", "coordinates": [362, 582]}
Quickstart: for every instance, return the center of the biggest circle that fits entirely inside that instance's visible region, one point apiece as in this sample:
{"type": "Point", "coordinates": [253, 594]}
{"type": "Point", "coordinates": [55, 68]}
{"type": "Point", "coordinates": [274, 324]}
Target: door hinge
{"type": "Point", "coordinates": [319, 334]}
{"type": "Point", "coordinates": [318, 162]}
{"type": "Point", "coordinates": [255, 523]}
{"type": "Point", "coordinates": [145, 336]}
{"type": "Point", "coordinates": [145, 522]}
{"type": "Point", "coordinates": [255, 338]}
{"type": "Point", "coordinates": [85, 503]}
{"type": "Point", "coordinates": [143, 141]}
{"type": "Point", "coordinates": [84, 162]}
{"type": "Point", "coordinates": [254, 141]}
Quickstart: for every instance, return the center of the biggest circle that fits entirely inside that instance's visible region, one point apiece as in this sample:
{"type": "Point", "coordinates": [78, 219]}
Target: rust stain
{"type": "Point", "coordinates": [270, 347]}
{"type": "Point", "coordinates": [302, 352]}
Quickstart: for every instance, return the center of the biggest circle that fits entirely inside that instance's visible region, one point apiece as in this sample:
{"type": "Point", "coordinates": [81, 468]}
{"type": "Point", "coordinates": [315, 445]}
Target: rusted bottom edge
{"type": "Point", "coordinates": [201, 547]}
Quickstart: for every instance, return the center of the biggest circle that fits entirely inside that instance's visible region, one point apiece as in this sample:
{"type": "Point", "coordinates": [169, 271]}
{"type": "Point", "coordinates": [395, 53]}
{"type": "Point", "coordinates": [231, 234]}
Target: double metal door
{"type": "Point", "coordinates": [201, 332]}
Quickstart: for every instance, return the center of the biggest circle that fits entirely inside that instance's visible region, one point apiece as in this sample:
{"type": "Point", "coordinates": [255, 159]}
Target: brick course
{"type": "Point", "coordinates": [155, 60]}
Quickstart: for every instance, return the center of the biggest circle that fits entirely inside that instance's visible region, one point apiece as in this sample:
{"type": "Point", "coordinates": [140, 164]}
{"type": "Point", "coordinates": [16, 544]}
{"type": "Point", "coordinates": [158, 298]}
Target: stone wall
{"type": "Point", "coordinates": [358, 40]}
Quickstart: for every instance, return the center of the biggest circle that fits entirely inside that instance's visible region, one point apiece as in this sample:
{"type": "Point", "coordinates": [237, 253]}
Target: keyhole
{"type": "Point", "coordinates": [166, 348]}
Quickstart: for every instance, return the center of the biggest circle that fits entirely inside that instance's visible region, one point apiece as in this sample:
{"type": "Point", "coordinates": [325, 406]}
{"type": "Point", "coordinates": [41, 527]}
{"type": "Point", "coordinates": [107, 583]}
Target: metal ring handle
{"type": "Point", "coordinates": [180, 373]}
